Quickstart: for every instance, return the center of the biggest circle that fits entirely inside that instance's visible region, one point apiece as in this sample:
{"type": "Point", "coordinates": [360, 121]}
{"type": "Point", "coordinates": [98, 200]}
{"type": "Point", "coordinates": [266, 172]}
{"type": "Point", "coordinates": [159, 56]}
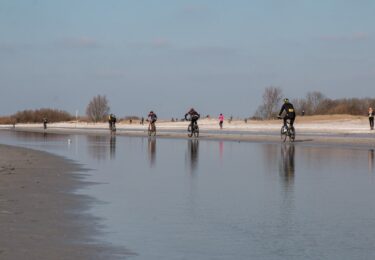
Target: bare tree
{"type": "Point", "coordinates": [98, 108]}
{"type": "Point", "coordinates": [313, 101]}
{"type": "Point", "coordinates": [271, 100]}
{"type": "Point", "coordinates": [300, 104]}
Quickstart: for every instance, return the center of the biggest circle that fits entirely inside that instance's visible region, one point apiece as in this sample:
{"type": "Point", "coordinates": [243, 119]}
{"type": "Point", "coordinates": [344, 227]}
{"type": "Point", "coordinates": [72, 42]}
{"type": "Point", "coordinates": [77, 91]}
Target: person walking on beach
{"type": "Point", "coordinates": [45, 121]}
{"type": "Point", "coordinates": [371, 117]}
{"type": "Point", "coordinates": [221, 121]}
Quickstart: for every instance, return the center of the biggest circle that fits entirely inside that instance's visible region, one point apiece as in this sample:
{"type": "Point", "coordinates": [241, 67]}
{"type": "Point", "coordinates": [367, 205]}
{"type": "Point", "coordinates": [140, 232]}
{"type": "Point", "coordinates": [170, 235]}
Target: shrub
{"type": "Point", "coordinates": [36, 116]}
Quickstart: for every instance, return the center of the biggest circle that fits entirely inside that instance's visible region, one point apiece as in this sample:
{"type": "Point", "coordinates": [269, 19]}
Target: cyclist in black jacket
{"type": "Point", "coordinates": [194, 116]}
{"type": "Point", "coordinates": [290, 112]}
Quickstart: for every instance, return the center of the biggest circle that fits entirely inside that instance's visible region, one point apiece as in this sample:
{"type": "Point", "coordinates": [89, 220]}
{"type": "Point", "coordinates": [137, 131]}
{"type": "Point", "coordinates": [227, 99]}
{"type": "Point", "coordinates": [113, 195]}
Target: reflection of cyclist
{"type": "Point", "coordinates": [289, 112]}
{"type": "Point", "coordinates": [287, 167]}
{"type": "Point", "coordinates": [194, 116]}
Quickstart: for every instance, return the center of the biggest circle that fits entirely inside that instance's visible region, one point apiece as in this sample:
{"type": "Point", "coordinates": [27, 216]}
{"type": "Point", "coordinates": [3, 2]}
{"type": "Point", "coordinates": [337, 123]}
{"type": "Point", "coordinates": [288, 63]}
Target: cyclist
{"type": "Point", "coordinates": [112, 122]}
{"type": "Point", "coordinates": [194, 116]}
{"type": "Point", "coordinates": [290, 112]}
{"type": "Point", "coordinates": [152, 117]}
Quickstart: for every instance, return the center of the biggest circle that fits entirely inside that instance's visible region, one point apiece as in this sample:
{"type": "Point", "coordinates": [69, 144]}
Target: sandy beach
{"type": "Point", "coordinates": [40, 216]}
{"type": "Point", "coordinates": [343, 130]}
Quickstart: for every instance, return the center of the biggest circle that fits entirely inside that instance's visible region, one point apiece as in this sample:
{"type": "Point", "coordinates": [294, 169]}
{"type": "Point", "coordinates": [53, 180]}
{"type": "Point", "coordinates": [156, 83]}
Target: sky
{"type": "Point", "coordinates": [217, 56]}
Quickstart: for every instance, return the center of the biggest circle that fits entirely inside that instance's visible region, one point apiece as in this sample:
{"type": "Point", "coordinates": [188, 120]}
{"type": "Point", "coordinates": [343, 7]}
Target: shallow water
{"type": "Point", "coordinates": [195, 199]}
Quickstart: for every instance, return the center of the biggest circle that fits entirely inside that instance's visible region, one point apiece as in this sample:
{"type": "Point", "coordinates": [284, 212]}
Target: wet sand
{"type": "Point", "coordinates": [40, 216]}
{"type": "Point", "coordinates": [338, 137]}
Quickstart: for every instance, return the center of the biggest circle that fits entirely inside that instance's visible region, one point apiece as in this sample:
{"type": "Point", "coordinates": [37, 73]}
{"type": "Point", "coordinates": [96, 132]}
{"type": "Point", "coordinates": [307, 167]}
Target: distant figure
{"type": "Point", "coordinates": [221, 121]}
{"type": "Point", "coordinates": [45, 121]}
{"type": "Point", "coordinates": [172, 119]}
{"type": "Point", "coordinates": [245, 120]}
{"type": "Point", "coordinates": [230, 119]}
{"type": "Point", "coordinates": [303, 112]}
{"type": "Point", "coordinates": [371, 117]}
{"type": "Point", "coordinates": [112, 122]}
{"type": "Point", "coordinates": [142, 120]}
{"type": "Point", "coordinates": [131, 121]}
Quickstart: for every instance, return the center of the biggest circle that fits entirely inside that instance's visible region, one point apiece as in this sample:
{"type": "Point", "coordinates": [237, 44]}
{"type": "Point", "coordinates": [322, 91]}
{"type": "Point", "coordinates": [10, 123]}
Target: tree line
{"type": "Point", "coordinates": [314, 103]}
{"type": "Point", "coordinates": [37, 116]}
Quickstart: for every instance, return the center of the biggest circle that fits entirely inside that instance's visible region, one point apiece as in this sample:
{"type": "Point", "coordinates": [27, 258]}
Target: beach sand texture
{"type": "Point", "coordinates": [40, 216]}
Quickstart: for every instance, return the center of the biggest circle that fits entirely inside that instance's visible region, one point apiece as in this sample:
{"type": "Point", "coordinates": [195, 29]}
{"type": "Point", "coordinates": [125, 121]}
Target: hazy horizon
{"type": "Point", "coordinates": [168, 56]}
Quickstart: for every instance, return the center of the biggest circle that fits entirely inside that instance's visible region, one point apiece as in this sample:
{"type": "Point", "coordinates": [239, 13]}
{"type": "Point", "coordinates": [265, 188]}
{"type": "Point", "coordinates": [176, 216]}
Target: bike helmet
{"type": "Point", "coordinates": [151, 112]}
{"type": "Point", "coordinates": [286, 100]}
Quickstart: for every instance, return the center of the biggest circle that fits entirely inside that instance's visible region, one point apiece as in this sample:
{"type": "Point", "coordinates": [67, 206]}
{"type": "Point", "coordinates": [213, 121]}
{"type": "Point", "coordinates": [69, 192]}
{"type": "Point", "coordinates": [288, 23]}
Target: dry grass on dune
{"type": "Point", "coordinates": [338, 118]}
{"type": "Point", "coordinates": [329, 118]}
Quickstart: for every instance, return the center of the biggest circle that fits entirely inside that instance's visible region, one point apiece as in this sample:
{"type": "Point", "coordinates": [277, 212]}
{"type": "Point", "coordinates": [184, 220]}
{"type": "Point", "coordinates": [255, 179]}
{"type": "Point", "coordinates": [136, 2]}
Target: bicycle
{"type": "Point", "coordinates": [113, 128]}
{"type": "Point", "coordinates": [193, 129]}
{"type": "Point", "coordinates": [151, 129]}
{"type": "Point", "coordinates": [287, 131]}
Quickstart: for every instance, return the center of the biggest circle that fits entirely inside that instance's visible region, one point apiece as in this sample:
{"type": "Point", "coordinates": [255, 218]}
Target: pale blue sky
{"type": "Point", "coordinates": [214, 55]}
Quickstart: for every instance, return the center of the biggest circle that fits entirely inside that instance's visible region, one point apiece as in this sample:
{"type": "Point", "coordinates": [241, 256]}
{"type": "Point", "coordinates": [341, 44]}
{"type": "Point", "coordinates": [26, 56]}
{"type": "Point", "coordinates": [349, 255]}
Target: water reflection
{"type": "Point", "coordinates": [272, 153]}
{"type": "Point", "coordinates": [98, 147]}
{"type": "Point", "coordinates": [287, 203]}
{"type": "Point", "coordinates": [38, 137]}
{"type": "Point", "coordinates": [291, 199]}
{"type": "Point", "coordinates": [286, 166]}
{"type": "Point", "coordinates": [152, 151]}
{"type": "Point", "coordinates": [112, 147]}
{"type": "Point", "coordinates": [192, 155]}
{"type": "Point", "coordinates": [371, 160]}
{"type": "Point", "coordinates": [221, 150]}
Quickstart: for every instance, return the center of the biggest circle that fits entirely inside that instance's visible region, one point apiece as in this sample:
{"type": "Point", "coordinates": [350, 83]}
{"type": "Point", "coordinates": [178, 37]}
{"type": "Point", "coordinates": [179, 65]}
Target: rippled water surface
{"type": "Point", "coordinates": [196, 199]}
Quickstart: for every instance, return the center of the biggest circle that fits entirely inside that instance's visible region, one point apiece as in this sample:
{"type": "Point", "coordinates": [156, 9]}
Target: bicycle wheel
{"type": "Point", "coordinates": [196, 131]}
{"type": "Point", "coordinates": [190, 131]}
{"type": "Point", "coordinates": [153, 130]}
{"type": "Point", "coordinates": [283, 134]}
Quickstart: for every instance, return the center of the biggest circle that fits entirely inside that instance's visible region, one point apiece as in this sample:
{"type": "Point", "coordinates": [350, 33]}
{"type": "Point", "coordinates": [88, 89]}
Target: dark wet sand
{"type": "Point", "coordinates": [40, 216]}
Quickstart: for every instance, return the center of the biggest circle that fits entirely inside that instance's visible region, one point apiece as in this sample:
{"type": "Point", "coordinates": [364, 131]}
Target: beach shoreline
{"type": "Point", "coordinates": [337, 130]}
{"type": "Point", "coordinates": [41, 216]}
